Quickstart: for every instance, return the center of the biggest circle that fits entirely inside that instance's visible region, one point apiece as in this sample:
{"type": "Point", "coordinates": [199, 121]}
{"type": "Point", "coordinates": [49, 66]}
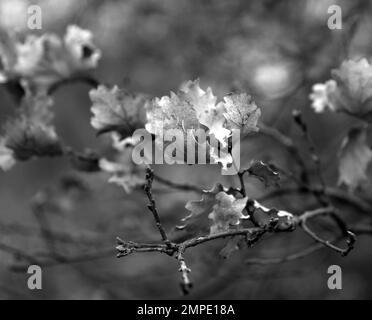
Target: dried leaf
{"type": "Point", "coordinates": [227, 212]}
{"type": "Point", "coordinates": [31, 133]}
{"type": "Point", "coordinates": [115, 110]}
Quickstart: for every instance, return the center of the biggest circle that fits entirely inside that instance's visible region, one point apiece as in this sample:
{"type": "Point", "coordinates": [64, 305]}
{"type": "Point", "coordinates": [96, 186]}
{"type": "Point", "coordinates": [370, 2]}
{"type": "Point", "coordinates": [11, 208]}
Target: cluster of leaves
{"type": "Point", "coordinates": [44, 60]}
{"type": "Point", "coordinates": [221, 209]}
{"type": "Point", "coordinates": [350, 92]}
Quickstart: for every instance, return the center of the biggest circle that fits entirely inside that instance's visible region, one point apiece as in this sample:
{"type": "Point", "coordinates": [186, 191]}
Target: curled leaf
{"type": "Point", "coordinates": [271, 217]}
{"type": "Point", "coordinates": [265, 173]}
{"type": "Point", "coordinates": [175, 111]}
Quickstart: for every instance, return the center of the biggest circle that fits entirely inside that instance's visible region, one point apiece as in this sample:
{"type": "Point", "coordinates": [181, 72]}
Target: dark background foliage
{"type": "Point", "coordinates": [274, 50]}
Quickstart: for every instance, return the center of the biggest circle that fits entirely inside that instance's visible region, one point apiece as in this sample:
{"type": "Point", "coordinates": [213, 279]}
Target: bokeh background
{"type": "Point", "coordinates": [274, 50]}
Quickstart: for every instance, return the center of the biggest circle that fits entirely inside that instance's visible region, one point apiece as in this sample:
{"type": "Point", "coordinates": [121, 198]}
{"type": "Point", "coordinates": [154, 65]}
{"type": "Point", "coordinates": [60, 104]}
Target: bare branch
{"type": "Point", "coordinates": [152, 205]}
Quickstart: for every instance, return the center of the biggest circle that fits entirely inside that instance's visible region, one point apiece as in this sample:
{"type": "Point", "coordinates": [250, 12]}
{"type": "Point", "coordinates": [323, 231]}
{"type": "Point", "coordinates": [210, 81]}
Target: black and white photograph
{"type": "Point", "coordinates": [185, 150]}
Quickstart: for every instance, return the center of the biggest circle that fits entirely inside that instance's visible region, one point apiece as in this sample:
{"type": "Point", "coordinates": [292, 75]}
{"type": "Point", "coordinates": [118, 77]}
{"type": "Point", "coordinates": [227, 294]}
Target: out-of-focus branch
{"type": "Point", "coordinates": [289, 145]}
{"type": "Point", "coordinates": [186, 283]}
{"type": "Point", "coordinates": [89, 80]}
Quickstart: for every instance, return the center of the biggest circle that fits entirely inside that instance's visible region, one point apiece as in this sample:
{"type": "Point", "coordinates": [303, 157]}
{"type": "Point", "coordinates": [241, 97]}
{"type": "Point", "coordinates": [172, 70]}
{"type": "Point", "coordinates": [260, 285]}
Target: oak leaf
{"type": "Point", "coordinates": [354, 157]}
{"type": "Point", "coordinates": [115, 110]}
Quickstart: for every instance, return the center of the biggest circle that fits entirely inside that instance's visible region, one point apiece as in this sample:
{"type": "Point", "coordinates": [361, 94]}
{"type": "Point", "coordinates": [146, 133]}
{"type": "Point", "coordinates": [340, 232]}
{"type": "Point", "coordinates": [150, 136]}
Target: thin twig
{"type": "Point", "coordinates": [178, 186]}
{"type": "Point", "coordinates": [186, 283]}
{"type": "Point", "coordinates": [152, 204]}
{"type": "Point", "coordinates": [302, 222]}
{"type": "Point", "coordinates": [288, 144]}
{"type": "Point", "coordinates": [337, 194]}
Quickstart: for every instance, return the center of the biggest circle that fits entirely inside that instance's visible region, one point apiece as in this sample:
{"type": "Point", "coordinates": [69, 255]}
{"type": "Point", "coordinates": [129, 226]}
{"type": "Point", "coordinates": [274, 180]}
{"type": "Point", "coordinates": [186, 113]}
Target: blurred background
{"type": "Point", "coordinates": [275, 51]}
